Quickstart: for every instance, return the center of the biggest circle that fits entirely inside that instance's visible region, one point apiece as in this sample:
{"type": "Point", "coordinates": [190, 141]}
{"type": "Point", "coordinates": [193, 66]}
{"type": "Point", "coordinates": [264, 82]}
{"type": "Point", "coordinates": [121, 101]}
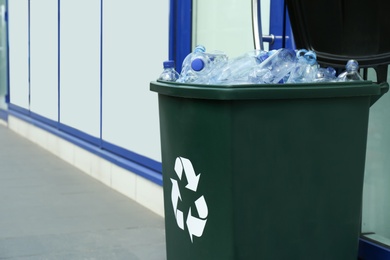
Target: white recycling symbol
{"type": "Point", "coordinates": [194, 224]}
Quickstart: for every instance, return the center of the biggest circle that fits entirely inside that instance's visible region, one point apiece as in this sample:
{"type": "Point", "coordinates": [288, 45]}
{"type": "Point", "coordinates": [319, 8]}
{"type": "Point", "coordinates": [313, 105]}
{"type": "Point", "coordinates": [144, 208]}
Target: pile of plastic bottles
{"type": "Point", "coordinates": [256, 67]}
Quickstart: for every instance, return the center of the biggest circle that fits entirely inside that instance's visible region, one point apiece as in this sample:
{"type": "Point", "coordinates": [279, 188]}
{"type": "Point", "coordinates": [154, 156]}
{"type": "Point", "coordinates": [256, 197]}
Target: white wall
{"type": "Point", "coordinates": [119, 54]}
{"type": "Point", "coordinates": [135, 43]}
{"type": "Point", "coordinates": [18, 52]}
{"type": "Point", "coordinates": [44, 58]}
{"type": "Point", "coordinates": [3, 53]}
{"type": "Point", "coordinates": [80, 65]}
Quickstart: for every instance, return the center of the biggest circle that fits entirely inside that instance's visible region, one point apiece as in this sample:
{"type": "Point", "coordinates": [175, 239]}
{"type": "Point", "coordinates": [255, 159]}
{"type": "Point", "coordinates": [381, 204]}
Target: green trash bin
{"type": "Point", "coordinates": [264, 171]}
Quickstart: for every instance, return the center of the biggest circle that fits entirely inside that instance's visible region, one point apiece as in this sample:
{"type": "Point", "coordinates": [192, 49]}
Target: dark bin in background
{"type": "Point", "coordinates": [339, 30]}
{"type": "Point", "coordinates": [275, 172]}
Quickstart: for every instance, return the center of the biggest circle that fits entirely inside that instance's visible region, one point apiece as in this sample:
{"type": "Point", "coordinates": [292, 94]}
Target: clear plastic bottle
{"type": "Point", "coordinates": [198, 65]}
{"type": "Point", "coordinates": [274, 68]}
{"type": "Point", "coordinates": [169, 73]}
{"type": "Point", "coordinates": [305, 69]}
{"type": "Point", "coordinates": [351, 73]}
{"type": "Point", "coordinates": [208, 65]}
{"type": "Point", "coordinates": [325, 75]}
{"type": "Point", "coordinates": [238, 69]}
{"type": "Point", "coordinates": [186, 74]}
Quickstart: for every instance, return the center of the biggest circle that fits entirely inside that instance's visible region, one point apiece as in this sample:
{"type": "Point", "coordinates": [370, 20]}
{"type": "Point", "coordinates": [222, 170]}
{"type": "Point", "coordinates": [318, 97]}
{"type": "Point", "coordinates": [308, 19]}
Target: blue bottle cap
{"type": "Point", "coordinates": [169, 64]}
{"type": "Point", "coordinates": [262, 57]}
{"type": "Point", "coordinates": [301, 52]}
{"type": "Point", "coordinates": [197, 64]}
{"type": "Point", "coordinates": [310, 57]}
{"type": "Point", "coordinates": [331, 71]}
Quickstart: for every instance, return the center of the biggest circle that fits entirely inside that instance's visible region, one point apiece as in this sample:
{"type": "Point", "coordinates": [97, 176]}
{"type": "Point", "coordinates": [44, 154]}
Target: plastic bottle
{"type": "Point", "coordinates": [169, 73]}
{"type": "Point", "coordinates": [198, 65]}
{"type": "Point", "coordinates": [237, 69]}
{"type": "Point", "coordinates": [305, 69]}
{"type": "Point", "coordinates": [325, 75]}
{"type": "Point", "coordinates": [186, 74]}
{"type": "Point", "coordinates": [207, 66]}
{"type": "Point", "coordinates": [274, 68]}
{"type": "Point", "coordinates": [351, 73]}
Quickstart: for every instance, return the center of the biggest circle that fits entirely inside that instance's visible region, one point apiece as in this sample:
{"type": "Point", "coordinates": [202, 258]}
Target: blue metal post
{"type": "Point", "coordinates": [280, 26]}
{"type": "Point", "coordinates": [180, 35]}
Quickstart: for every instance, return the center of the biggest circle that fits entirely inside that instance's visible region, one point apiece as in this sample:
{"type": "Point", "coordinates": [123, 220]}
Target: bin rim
{"type": "Point", "coordinates": [270, 91]}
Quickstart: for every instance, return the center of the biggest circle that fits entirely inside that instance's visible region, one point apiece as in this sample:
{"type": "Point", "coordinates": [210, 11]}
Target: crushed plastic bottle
{"type": "Point", "coordinates": [237, 70]}
{"type": "Point", "coordinates": [199, 65]}
{"type": "Point", "coordinates": [305, 68]}
{"type": "Point", "coordinates": [274, 68]}
{"type": "Point", "coordinates": [325, 75]}
{"type": "Point", "coordinates": [351, 73]}
{"type": "Point", "coordinates": [208, 71]}
{"type": "Point", "coordinates": [260, 67]}
{"type": "Point", "coordinates": [187, 75]}
{"type": "Point", "coordinates": [169, 73]}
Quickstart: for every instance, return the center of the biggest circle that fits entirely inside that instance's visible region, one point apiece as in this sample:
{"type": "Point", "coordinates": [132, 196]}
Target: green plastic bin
{"type": "Point", "coordinates": [264, 171]}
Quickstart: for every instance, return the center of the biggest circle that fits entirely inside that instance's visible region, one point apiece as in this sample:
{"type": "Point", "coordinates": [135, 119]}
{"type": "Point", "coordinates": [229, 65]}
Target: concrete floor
{"type": "Point", "coordinates": [51, 210]}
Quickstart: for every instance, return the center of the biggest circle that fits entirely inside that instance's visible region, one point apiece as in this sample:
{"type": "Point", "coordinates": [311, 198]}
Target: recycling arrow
{"type": "Point", "coordinates": [178, 167]}
{"type": "Point", "coordinates": [175, 196]}
{"type": "Point", "coordinates": [192, 178]}
{"type": "Point", "coordinates": [195, 225]}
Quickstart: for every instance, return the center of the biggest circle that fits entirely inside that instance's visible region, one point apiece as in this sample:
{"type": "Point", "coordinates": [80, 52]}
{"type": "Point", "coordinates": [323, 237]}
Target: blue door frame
{"type": "Point", "coordinates": [180, 45]}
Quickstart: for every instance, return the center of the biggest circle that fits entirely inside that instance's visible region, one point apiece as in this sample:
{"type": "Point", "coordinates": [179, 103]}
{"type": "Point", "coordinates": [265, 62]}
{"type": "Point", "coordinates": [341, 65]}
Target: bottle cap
{"type": "Point", "coordinates": [197, 64]}
{"type": "Point", "coordinates": [200, 48]}
{"type": "Point", "coordinates": [262, 57]}
{"type": "Point", "coordinates": [310, 57]}
{"type": "Point", "coordinates": [301, 52]}
{"type": "Point", "coordinates": [169, 64]}
{"type": "Point", "coordinates": [352, 65]}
